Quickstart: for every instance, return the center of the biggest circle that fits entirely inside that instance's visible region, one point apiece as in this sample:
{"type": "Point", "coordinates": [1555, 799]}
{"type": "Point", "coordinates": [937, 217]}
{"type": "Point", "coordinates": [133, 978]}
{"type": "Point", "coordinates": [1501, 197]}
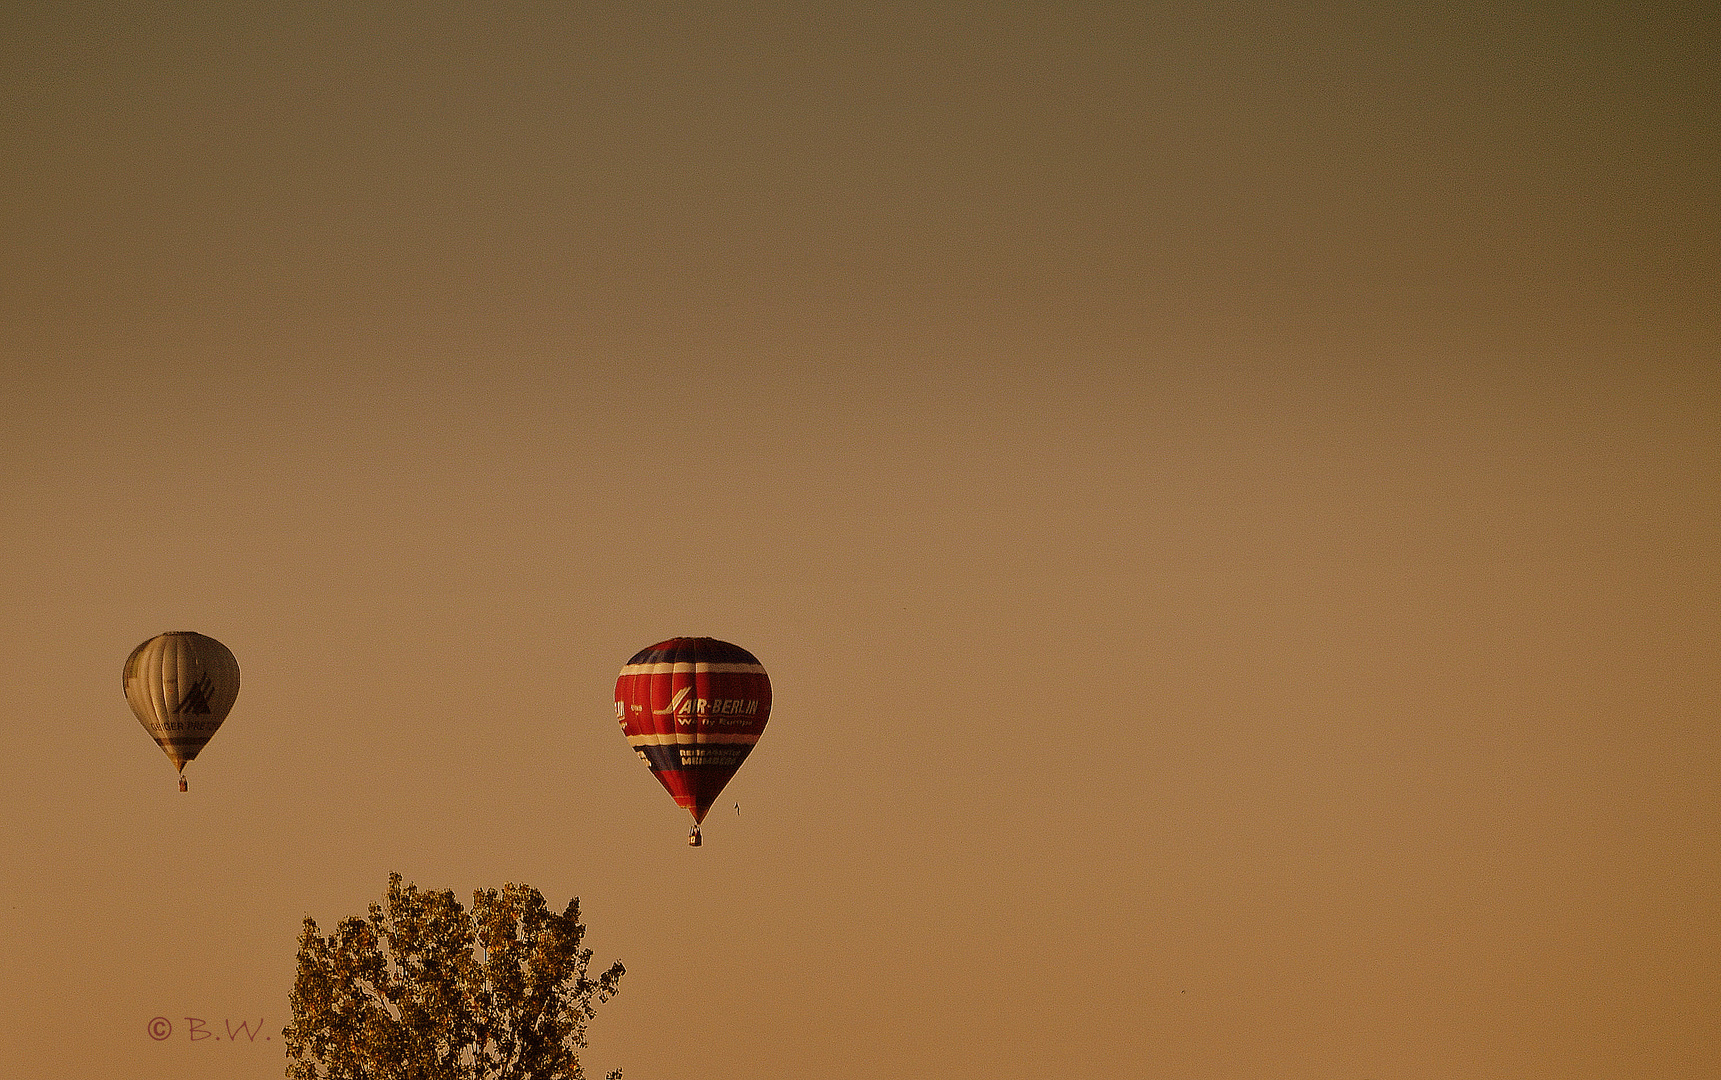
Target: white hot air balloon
{"type": "Point", "coordinates": [181, 685]}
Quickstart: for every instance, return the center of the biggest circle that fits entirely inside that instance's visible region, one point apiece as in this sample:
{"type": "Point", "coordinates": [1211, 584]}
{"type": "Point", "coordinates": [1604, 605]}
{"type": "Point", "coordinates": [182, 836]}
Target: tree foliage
{"type": "Point", "coordinates": [421, 989]}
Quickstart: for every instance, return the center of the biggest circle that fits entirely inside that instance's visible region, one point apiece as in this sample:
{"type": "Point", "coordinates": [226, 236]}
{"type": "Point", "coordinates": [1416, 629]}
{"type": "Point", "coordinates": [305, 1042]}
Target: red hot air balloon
{"type": "Point", "coordinates": [692, 708]}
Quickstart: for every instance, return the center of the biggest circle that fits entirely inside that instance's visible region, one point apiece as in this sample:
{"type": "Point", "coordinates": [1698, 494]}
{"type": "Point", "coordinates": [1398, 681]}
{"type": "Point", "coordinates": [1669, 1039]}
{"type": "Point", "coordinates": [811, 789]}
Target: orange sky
{"type": "Point", "coordinates": [1229, 501]}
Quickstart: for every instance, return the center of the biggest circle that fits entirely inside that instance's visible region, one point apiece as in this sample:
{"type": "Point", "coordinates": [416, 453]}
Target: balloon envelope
{"type": "Point", "coordinates": [181, 686]}
{"type": "Point", "coordinates": [692, 709]}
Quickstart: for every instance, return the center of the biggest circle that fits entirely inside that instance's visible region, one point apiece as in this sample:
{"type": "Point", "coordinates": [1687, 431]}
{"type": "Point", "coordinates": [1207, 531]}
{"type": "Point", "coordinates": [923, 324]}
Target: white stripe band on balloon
{"type": "Point", "coordinates": [693, 738]}
{"type": "Point", "coordinates": [692, 669]}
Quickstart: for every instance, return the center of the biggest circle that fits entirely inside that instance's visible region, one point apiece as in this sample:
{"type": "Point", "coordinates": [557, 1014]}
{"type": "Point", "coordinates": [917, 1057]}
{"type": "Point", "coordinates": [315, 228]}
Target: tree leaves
{"type": "Point", "coordinates": [420, 989]}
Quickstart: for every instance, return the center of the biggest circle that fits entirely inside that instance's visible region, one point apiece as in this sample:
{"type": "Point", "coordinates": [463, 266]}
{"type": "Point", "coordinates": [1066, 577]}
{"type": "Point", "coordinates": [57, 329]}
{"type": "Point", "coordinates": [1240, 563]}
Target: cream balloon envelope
{"type": "Point", "coordinates": [181, 686]}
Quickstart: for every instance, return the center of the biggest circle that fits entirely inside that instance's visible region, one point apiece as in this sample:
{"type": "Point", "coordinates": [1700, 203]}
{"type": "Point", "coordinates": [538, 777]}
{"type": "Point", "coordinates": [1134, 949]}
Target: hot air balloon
{"type": "Point", "coordinates": [692, 708]}
{"type": "Point", "coordinates": [181, 685]}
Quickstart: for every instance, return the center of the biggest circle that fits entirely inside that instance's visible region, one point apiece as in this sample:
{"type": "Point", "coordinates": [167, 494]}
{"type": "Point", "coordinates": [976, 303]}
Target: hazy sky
{"type": "Point", "coordinates": [1228, 496]}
